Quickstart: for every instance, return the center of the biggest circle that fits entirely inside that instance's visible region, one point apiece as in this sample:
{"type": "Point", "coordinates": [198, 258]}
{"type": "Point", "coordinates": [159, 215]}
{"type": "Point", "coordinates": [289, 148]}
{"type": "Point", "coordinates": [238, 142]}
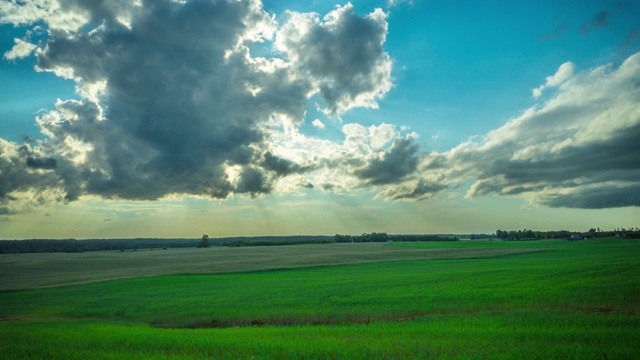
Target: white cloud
{"type": "Point", "coordinates": [382, 135]}
{"type": "Point", "coordinates": [578, 149]}
{"type": "Point", "coordinates": [317, 123]}
{"type": "Point", "coordinates": [396, 3]}
{"type": "Point", "coordinates": [564, 72]}
{"type": "Point", "coordinates": [57, 14]}
{"type": "Point", "coordinates": [20, 50]}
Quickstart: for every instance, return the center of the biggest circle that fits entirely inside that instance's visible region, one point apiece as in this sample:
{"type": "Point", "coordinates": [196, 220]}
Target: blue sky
{"type": "Point", "coordinates": [25, 92]}
{"type": "Point", "coordinates": [317, 117]}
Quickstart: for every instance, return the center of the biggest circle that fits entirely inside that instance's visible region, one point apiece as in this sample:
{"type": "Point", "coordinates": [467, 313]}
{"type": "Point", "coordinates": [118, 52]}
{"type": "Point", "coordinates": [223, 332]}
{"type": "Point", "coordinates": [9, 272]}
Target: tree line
{"type": "Point", "coordinates": [86, 245]}
{"type": "Point", "coordinates": [76, 246]}
{"type": "Point", "coordinates": [564, 234]}
{"type": "Point", "coordinates": [384, 237]}
{"type": "Point", "coordinates": [372, 237]}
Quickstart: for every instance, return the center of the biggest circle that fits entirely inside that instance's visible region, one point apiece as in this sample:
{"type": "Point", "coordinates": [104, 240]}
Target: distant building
{"type": "Point", "coordinates": [575, 237]}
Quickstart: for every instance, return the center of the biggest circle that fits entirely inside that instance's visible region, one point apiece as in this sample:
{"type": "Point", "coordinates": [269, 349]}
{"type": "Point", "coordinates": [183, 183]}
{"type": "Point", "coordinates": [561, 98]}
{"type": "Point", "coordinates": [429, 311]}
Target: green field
{"type": "Point", "coordinates": [480, 299]}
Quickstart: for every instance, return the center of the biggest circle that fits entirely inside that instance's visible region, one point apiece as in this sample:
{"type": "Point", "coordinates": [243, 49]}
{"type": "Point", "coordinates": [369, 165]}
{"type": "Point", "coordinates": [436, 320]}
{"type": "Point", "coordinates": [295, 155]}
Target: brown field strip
{"type": "Point", "coordinates": [30, 271]}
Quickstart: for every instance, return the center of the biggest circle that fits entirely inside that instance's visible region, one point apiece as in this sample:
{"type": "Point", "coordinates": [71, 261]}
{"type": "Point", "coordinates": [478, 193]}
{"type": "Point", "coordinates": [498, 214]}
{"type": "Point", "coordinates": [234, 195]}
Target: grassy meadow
{"type": "Point", "coordinates": [467, 299]}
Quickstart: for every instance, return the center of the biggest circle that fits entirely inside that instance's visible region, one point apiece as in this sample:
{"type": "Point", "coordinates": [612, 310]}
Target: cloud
{"type": "Point", "coordinates": [253, 181]}
{"type": "Point", "coordinates": [282, 166]}
{"type": "Point", "coordinates": [564, 72]}
{"type": "Point", "coordinates": [342, 54]}
{"type": "Point", "coordinates": [396, 3]}
{"type": "Point", "coordinates": [24, 169]}
{"type": "Point", "coordinates": [604, 196]}
{"type": "Point", "coordinates": [598, 21]}
{"type": "Point", "coordinates": [45, 164]}
{"type": "Point", "coordinates": [20, 50]}
{"type": "Point", "coordinates": [391, 166]}
{"type": "Point", "coordinates": [377, 157]}
{"type": "Point", "coordinates": [317, 123]}
{"type": "Point", "coordinates": [172, 101]}
{"type": "Point", "coordinates": [51, 12]}
{"type": "Point", "coordinates": [412, 190]}
{"type": "Point", "coordinates": [578, 149]}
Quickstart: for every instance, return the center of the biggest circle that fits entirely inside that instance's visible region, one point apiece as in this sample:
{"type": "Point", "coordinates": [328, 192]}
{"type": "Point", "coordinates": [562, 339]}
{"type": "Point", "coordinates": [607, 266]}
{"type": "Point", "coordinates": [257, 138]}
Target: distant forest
{"type": "Point", "coordinates": [384, 237]}
{"type": "Point", "coordinates": [565, 234]}
{"type": "Point", "coordinates": [75, 246]}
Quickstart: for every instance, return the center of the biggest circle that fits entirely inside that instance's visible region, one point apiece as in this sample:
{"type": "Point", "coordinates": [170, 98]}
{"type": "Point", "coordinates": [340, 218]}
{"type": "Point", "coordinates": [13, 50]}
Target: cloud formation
{"type": "Point", "coordinates": [564, 72]}
{"type": "Point", "coordinates": [20, 50]}
{"type": "Point", "coordinates": [172, 100]}
{"type": "Point", "coordinates": [318, 123]}
{"type": "Point", "coordinates": [575, 149]}
{"type": "Point", "coordinates": [578, 149]}
{"type": "Point", "coordinates": [396, 3]}
{"type": "Point", "coordinates": [392, 165]}
{"type": "Point", "coordinates": [342, 54]}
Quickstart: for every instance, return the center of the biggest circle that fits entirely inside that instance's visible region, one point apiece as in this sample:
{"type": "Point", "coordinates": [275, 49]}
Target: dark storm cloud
{"type": "Point", "coordinates": [596, 198]}
{"type": "Point", "coordinates": [616, 158]}
{"type": "Point", "coordinates": [574, 167]}
{"type": "Point", "coordinates": [394, 164]}
{"type": "Point", "coordinates": [418, 190]}
{"type": "Point", "coordinates": [172, 101]}
{"type": "Point", "coordinates": [167, 100]}
{"type": "Point", "coordinates": [22, 169]}
{"type": "Point", "coordinates": [175, 112]}
{"type": "Point", "coordinates": [45, 164]}
{"type": "Point", "coordinates": [253, 181]}
{"type": "Point", "coordinates": [282, 166]}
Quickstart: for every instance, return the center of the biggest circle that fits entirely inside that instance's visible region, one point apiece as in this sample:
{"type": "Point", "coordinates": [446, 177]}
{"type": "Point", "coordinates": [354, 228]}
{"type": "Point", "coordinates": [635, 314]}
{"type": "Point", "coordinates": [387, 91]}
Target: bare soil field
{"type": "Point", "coordinates": [30, 271]}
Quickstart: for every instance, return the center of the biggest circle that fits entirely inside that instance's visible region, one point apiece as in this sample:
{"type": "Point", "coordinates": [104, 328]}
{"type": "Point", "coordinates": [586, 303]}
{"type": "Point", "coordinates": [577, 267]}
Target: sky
{"type": "Point", "coordinates": [169, 118]}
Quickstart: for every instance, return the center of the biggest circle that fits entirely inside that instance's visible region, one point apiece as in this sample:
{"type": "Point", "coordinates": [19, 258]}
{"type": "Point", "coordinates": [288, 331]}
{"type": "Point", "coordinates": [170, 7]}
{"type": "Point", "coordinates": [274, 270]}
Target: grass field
{"type": "Point", "coordinates": [488, 299]}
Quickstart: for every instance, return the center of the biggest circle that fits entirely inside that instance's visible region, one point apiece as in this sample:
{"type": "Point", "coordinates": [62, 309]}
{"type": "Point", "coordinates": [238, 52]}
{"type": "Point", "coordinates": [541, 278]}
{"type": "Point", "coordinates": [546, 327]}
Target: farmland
{"type": "Point", "coordinates": [24, 271]}
{"type": "Point", "coordinates": [480, 299]}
